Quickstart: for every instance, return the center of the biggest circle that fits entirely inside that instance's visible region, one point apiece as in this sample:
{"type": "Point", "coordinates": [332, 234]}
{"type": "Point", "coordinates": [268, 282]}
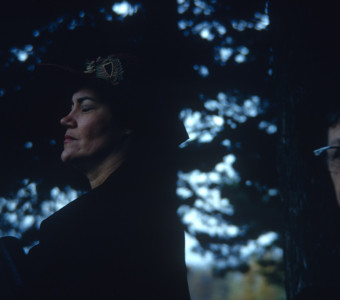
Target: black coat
{"type": "Point", "coordinates": [121, 240]}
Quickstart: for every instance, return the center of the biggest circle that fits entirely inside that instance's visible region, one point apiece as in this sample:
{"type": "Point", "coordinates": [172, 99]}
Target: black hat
{"type": "Point", "coordinates": [133, 85]}
{"type": "Point", "coordinates": [114, 70]}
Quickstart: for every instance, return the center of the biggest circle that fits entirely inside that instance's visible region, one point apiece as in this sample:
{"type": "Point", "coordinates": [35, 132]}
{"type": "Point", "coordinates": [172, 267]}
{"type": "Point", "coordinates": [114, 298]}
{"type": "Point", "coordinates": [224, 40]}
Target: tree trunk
{"type": "Point", "coordinates": [305, 70]}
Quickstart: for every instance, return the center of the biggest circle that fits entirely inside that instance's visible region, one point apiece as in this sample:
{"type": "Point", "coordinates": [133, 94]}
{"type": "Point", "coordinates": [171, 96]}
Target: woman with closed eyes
{"type": "Point", "coordinates": [122, 239]}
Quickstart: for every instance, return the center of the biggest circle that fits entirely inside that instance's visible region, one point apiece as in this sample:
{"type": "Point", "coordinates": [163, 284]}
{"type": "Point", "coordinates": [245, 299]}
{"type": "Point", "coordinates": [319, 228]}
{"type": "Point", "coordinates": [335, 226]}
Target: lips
{"type": "Point", "coordinates": [68, 139]}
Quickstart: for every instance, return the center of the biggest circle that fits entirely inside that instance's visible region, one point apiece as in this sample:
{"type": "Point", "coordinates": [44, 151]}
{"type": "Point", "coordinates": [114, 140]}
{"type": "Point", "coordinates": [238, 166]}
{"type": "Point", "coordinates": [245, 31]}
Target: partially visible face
{"type": "Point", "coordinates": [91, 131]}
{"type": "Point", "coordinates": [334, 140]}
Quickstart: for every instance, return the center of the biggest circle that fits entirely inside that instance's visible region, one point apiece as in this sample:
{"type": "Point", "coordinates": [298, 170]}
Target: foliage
{"type": "Point", "coordinates": [217, 56]}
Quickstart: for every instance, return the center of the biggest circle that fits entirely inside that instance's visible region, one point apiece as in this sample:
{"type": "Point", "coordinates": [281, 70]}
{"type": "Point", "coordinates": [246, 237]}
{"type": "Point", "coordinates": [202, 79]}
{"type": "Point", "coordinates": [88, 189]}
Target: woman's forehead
{"type": "Point", "coordinates": [86, 93]}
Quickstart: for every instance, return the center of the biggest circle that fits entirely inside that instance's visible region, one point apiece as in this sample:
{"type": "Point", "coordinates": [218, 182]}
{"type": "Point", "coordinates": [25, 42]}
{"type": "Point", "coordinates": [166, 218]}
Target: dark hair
{"type": "Point", "coordinates": [333, 119]}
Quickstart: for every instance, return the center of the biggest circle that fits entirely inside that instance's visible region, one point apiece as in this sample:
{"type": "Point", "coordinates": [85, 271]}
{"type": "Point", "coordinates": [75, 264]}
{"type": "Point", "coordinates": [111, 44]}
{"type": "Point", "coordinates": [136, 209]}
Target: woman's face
{"type": "Point", "coordinates": [91, 131]}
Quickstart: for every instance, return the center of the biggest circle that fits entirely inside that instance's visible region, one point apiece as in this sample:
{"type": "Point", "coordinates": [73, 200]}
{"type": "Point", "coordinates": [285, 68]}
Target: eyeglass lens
{"type": "Point", "coordinates": [333, 159]}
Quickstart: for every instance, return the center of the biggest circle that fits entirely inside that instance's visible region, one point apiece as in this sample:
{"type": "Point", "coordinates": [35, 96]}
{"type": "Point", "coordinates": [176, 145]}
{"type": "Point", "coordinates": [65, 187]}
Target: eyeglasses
{"type": "Point", "coordinates": [332, 156]}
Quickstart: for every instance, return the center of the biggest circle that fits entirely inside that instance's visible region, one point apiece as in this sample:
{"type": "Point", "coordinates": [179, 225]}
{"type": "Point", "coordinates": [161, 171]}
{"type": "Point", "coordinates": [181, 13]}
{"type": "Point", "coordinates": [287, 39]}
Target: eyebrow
{"type": "Point", "coordinates": [335, 142]}
{"type": "Point", "coordinates": [82, 99]}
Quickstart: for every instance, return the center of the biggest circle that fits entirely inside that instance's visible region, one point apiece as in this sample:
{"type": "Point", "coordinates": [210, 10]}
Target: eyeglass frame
{"type": "Point", "coordinates": [320, 151]}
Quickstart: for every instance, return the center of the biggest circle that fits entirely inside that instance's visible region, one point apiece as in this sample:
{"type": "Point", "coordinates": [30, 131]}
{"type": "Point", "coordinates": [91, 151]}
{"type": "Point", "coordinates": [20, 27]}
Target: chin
{"type": "Point", "coordinates": [76, 161]}
{"type": "Point", "coordinates": [66, 157]}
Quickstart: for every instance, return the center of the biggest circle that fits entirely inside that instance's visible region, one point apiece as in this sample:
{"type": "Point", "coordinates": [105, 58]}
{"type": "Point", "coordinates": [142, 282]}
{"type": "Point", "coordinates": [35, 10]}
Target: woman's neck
{"type": "Point", "coordinates": [99, 172]}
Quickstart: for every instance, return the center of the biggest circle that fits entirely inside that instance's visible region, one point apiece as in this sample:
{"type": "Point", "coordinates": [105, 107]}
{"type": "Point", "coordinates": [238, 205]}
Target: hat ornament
{"type": "Point", "coordinates": [109, 69]}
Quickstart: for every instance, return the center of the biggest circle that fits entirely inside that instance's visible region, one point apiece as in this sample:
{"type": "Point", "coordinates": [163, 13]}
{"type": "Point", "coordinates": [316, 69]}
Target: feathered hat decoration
{"type": "Point", "coordinates": [109, 68]}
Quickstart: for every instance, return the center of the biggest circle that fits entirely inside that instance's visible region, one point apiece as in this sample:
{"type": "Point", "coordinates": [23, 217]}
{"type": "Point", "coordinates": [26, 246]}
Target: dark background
{"type": "Point", "coordinates": [300, 46]}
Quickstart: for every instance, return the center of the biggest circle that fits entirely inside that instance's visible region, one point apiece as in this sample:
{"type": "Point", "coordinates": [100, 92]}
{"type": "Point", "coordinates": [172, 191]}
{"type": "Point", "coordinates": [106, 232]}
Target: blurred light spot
{"type": "Point", "coordinates": [202, 191]}
{"type": "Point", "coordinates": [202, 7]}
{"type": "Point", "coordinates": [206, 137]}
{"type": "Point", "coordinates": [202, 70]}
{"type": "Point", "coordinates": [244, 50]}
{"type": "Point", "coordinates": [36, 33]}
{"type": "Point", "coordinates": [29, 145]}
{"type": "Point", "coordinates": [263, 21]}
{"type": "Point", "coordinates": [267, 238]}
{"type": "Point", "coordinates": [201, 222]}
{"type": "Point", "coordinates": [28, 48]}
{"type": "Point", "coordinates": [82, 14]}
{"type": "Point", "coordinates": [53, 26]}
{"type": "Point", "coordinates": [184, 192]}
{"type": "Point", "coordinates": [229, 40]}
{"type": "Point", "coordinates": [251, 106]}
{"type": "Point", "coordinates": [214, 177]}
{"type": "Point", "coordinates": [12, 205]}
{"type": "Point", "coordinates": [268, 127]}
{"type": "Point", "coordinates": [194, 259]}
{"type": "Point", "coordinates": [273, 192]}
{"type": "Point", "coordinates": [55, 192]}
{"type": "Point", "coordinates": [204, 30]}
{"type": "Point", "coordinates": [230, 158]}
{"type": "Point", "coordinates": [248, 249]}
{"type": "Point", "coordinates": [240, 58]}
{"type": "Point", "coordinates": [20, 54]}
{"type": "Point", "coordinates": [29, 190]}
{"type": "Point", "coordinates": [226, 143]}
{"type": "Point", "coordinates": [225, 167]}
{"type": "Point", "coordinates": [197, 10]}
{"type": "Point", "coordinates": [271, 129]}
{"type": "Point", "coordinates": [239, 25]}
{"type": "Point", "coordinates": [231, 124]}
{"type": "Point", "coordinates": [206, 34]}
{"type": "Point", "coordinates": [201, 127]}
{"type": "Point", "coordinates": [10, 217]}
{"type": "Point", "coordinates": [26, 222]}
{"type": "Point", "coordinates": [182, 24]}
{"type": "Point", "coordinates": [2, 92]}
{"type": "Point", "coordinates": [221, 29]}
{"type": "Point", "coordinates": [221, 97]}
{"type": "Point", "coordinates": [204, 126]}
{"type": "Point", "coordinates": [233, 230]}
{"type": "Point", "coordinates": [73, 24]}
{"type": "Point", "coordinates": [256, 99]}
{"type": "Point", "coordinates": [276, 253]}
{"type": "Point", "coordinates": [225, 53]}
{"type": "Point", "coordinates": [124, 9]}
{"type": "Point", "coordinates": [270, 72]}
{"type": "Point", "coordinates": [211, 105]}
{"type": "Point", "coordinates": [218, 120]}
{"type": "Point", "coordinates": [183, 6]}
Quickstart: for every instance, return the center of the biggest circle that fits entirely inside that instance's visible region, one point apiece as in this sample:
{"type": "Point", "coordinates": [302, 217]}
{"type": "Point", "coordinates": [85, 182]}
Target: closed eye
{"type": "Point", "coordinates": [86, 108]}
{"type": "Point", "coordinates": [336, 154]}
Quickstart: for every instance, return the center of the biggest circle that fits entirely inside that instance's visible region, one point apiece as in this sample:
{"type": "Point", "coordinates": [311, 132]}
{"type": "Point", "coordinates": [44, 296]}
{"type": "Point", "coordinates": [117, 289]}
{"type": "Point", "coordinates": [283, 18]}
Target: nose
{"type": "Point", "coordinates": [68, 121]}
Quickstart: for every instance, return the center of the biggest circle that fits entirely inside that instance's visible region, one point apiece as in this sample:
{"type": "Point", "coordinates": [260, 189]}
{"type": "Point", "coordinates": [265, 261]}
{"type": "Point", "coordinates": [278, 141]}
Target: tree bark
{"type": "Point", "coordinates": [305, 70]}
